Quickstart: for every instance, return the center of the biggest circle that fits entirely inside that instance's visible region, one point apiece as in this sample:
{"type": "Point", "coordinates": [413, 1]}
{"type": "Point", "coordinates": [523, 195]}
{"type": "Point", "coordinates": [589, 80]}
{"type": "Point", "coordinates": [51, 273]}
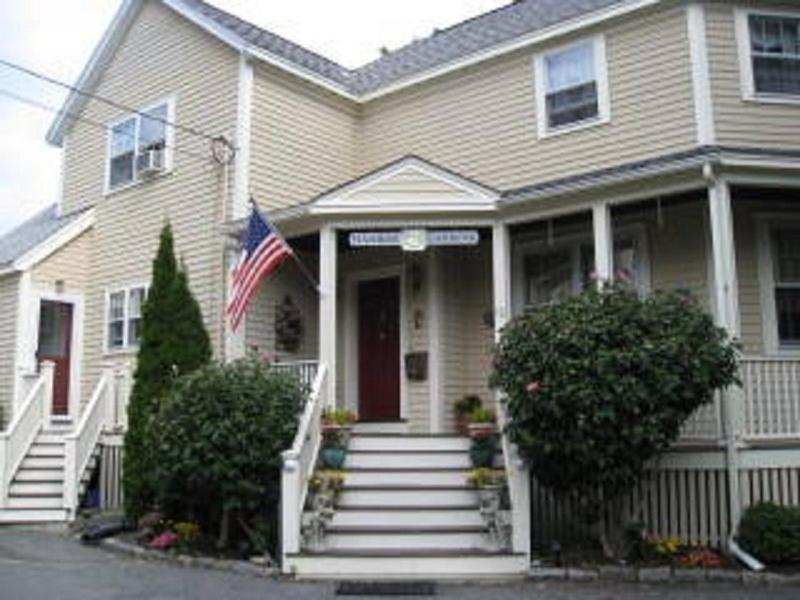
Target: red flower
{"type": "Point", "coordinates": [164, 541]}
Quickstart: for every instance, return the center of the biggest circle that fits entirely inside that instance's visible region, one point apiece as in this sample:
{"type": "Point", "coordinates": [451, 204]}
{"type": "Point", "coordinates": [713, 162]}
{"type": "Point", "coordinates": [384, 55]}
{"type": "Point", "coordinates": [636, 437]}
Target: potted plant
{"type": "Point", "coordinates": [483, 431]}
{"type": "Point", "coordinates": [336, 427]}
{"type": "Point", "coordinates": [482, 422]}
{"type": "Point", "coordinates": [324, 489]}
{"type": "Point", "coordinates": [488, 482]}
{"type": "Point", "coordinates": [463, 409]}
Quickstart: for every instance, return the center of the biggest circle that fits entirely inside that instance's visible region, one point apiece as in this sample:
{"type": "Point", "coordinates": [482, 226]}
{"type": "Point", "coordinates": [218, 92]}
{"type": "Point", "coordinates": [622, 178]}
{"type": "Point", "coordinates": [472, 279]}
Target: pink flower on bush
{"type": "Point", "coordinates": [164, 541]}
{"type": "Point", "coordinates": [533, 387]}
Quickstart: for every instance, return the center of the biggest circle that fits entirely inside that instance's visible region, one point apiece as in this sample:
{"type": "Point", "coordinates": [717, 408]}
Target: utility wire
{"type": "Point", "coordinates": [108, 101]}
{"type": "Point", "coordinates": [98, 124]}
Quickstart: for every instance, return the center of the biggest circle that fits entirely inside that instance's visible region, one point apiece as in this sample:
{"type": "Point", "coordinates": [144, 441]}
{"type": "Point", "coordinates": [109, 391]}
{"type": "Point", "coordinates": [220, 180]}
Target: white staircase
{"type": "Point", "coordinates": [36, 492]}
{"type": "Point", "coordinates": [406, 511]}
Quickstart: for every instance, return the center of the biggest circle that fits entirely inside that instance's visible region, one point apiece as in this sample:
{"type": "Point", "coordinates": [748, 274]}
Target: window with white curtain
{"type": "Point", "coordinates": [775, 54]}
{"type": "Point", "coordinates": [571, 86]}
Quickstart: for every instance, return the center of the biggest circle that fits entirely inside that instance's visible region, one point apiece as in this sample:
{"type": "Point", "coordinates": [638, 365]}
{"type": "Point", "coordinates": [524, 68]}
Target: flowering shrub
{"type": "Point", "coordinates": [701, 558]}
{"type": "Point", "coordinates": [164, 541]}
{"type": "Point", "coordinates": [600, 383]}
{"type": "Point", "coordinates": [188, 533]}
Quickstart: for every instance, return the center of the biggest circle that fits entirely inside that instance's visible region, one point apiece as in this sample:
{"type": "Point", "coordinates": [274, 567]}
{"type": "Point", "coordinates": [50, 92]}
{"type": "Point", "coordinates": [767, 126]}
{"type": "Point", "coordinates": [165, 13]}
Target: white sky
{"type": "Point", "coordinates": [56, 37]}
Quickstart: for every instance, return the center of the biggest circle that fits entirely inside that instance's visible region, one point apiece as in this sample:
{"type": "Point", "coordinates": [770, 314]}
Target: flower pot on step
{"type": "Point", "coordinates": [333, 457]}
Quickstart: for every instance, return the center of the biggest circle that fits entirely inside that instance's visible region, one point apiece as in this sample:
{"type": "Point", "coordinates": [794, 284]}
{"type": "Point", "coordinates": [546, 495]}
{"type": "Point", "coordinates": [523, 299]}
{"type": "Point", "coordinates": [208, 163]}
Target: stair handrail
{"type": "Point", "coordinates": [80, 444]}
{"type": "Point", "coordinates": [24, 427]}
{"type": "Point", "coordinates": [298, 464]}
{"type": "Point", "coordinates": [518, 476]}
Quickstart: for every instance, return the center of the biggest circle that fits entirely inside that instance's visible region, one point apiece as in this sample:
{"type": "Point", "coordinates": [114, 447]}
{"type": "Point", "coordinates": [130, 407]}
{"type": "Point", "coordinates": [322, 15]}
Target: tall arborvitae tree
{"type": "Point", "coordinates": [173, 342]}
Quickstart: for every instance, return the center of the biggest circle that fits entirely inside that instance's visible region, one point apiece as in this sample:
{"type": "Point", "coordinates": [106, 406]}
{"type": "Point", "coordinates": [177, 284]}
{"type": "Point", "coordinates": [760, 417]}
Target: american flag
{"type": "Point", "coordinates": [263, 250]}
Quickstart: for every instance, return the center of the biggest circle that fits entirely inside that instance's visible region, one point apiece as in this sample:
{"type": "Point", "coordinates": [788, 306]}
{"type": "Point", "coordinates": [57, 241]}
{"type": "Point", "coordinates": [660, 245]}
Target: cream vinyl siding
{"type": "Point", "coordinates": [9, 299]}
{"type": "Point", "coordinates": [481, 121]}
{"type": "Point", "coordinates": [162, 56]}
{"type": "Point", "coordinates": [466, 341]}
{"type": "Point", "coordinates": [69, 265]}
{"type": "Point", "coordinates": [260, 318]}
{"type": "Point", "coordinates": [739, 122]}
{"type": "Point", "coordinates": [302, 139]}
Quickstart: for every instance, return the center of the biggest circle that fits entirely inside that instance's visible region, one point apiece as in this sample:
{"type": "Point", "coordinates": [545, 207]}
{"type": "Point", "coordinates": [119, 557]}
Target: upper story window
{"type": "Point", "coordinates": [769, 55]}
{"type": "Point", "coordinates": [139, 145]}
{"type": "Point", "coordinates": [124, 318]}
{"type": "Point", "coordinates": [572, 87]}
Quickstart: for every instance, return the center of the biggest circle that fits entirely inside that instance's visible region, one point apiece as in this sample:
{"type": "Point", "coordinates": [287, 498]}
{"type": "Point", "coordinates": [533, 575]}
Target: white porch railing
{"type": "Point", "coordinates": [26, 424]}
{"type": "Point", "coordinates": [771, 397]}
{"type": "Point", "coordinates": [98, 416]}
{"type": "Point", "coordinates": [298, 465]}
{"type": "Point", "coordinates": [304, 370]}
{"type": "Point", "coordinates": [705, 425]}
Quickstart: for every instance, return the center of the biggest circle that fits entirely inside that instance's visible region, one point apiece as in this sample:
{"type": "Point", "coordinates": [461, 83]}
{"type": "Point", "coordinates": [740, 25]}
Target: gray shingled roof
{"type": "Point", "coordinates": [445, 46]}
{"type": "Point", "coordinates": [33, 232]}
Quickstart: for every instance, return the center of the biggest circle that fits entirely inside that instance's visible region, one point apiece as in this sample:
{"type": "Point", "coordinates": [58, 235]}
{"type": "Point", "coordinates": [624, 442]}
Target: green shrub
{"type": "Point", "coordinates": [771, 532]}
{"type": "Point", "coordinates": [219, 437]}
{"type": "Point", "coordinates": [600, 383]}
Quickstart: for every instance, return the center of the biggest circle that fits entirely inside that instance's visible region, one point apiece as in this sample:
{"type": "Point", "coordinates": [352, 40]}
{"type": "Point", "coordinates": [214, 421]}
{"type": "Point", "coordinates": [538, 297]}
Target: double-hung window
{"type": "Point", "coordinates": [770, 54]}
{"type": "Point", "coordinates": [139, 144]}
{"type": "Point", "coordinates": [786, 278]}
{"type": "Point", "coordinates": [124, 318]}
{"type": "Point", "coordinates": [572, 87]}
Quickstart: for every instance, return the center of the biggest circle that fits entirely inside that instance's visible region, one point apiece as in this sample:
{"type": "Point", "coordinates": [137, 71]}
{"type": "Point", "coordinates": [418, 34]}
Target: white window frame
{"type": "Point", "coordinates": [523, 247]}
{"type": "Point", "coordinates": [126, 347]}
{"type": "Point", "coordinates": [601, 76]}
{"type": "Point", "coordinates": [748, 85]}
{"type": "Point", "coordinates": [169, 154]}
{"type": "Point", "coordinates": [766, 276]}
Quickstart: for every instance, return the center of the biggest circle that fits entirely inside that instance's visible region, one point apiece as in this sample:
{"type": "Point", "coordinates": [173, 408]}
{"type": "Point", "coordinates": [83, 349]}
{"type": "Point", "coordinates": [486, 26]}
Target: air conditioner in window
{"type": "Point", "coordinates": [150, 161]}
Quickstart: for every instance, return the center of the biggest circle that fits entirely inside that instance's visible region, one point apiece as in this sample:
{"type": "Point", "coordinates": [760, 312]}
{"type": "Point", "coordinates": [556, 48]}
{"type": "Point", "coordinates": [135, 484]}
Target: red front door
{"type": "Point", "coordinates": [55, 345]}
{"type": "Point", "coordinates": [379, 350]}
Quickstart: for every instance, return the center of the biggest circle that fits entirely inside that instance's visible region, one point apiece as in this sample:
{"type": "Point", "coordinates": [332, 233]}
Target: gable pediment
{"type": "Point", "coordinates": [409, 185]}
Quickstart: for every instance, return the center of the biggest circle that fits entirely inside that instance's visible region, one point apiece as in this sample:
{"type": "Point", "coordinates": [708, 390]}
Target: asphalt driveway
{"type": "Point", "coordinates": [49, 565]}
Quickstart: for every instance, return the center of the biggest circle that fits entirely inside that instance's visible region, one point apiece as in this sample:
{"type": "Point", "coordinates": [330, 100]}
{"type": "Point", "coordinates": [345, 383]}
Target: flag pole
{"type": "Point", "coordinates": [300, 264]}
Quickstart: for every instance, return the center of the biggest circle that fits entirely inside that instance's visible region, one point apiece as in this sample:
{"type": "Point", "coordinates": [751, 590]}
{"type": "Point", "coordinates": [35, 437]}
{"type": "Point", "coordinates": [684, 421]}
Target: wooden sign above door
{"type": "Point", "coordinates": [415, 240]}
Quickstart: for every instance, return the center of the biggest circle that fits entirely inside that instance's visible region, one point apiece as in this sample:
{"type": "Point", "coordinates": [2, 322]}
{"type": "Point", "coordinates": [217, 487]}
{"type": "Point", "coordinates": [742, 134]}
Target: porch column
{"type": "Point", "coordinates": [327, 307]}
{"type": "Point", "coordinates": [501, 276]}
{"type": "Point", "coordinates": [603, 243]}
{"type": "Point", "coordinates": [725, 303]}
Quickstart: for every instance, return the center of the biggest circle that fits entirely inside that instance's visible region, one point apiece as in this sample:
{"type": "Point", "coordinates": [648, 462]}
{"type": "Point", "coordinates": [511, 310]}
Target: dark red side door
{"type": "Point", "coordinates": [379, 350]}
{"type": "Point", "coordinates": [55, 345]}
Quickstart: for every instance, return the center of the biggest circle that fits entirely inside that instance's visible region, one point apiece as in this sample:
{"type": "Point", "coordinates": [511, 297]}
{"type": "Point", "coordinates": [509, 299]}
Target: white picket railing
{"type": "Point", "coordinates": [79, 446]}
{"type": "Point", "coordinates": [771, 397]}
{"type": "Point", "coordinates": [705, 424]}
{"type": "Point", "coordinates": [26, 424]}
{"type": "Point", "coordinates": [298, 465]}
{"type": "Point", "coordinates": [304, 370]}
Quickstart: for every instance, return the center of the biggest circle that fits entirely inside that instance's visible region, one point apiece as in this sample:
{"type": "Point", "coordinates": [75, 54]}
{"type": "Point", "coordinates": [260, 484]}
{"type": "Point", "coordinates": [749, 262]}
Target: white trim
{"type": "Point", "coordinates": [125, 16]}
{"type": "Point", "coordinates": [766, 279]}
{"type": "Point", "coordinates": [328, 250]}
{"type": "Point", "coordinates": [726, 287]}
{"type": "Point", "coordinates": [169, 144]}
{"type": "Point", "coordinates": [603, 241]}
{"type": "Point", "coordinates": [350, 330]}
{"type": "Point", "coordinates": [59, 239]}
{"type": "Point", "coordinates": [743, 44]}
{"type": "Point", "coordinates": [701, 80]}
{"type": "Point", "coordinates": [601, 79]}
{"type": "Point", "coordinates": [435, 296]}
{"type": "Point", "coordinates": [76, 343]}
{"type": "Point", "coordinates": [244, 111]}
{"type": "Point", "coordinates": [25, 346]}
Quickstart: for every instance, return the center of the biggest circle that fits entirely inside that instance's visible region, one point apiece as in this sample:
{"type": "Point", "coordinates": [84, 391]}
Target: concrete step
{"type": "Point", "coordinates": [36, 488]}
{"type": "Point", "coordinates": [50, 449]}
{"type": "Point", "coordinates": [409, 478]}
{"type": "Point", "coordinates": [42, 462]}
{"type": "Point", "coordinates": [39, 475]}
{"type": "Point", "coordinates": [407, 459]}
{"type": "Point", "coordinates": [50, 438]}
{"type": "Point", "coordinates": [383, 443]}
{"type": "Point", "coordinates": [395, 427]}
{"type": "Point", "coordinates": [389, 497]}
{"type": "Point", "coordinates": [413, 516]}
{"type": "Point", "coordinates": [389, 538]}
{"type": "Point", "coordinates": [385, 565]}
{"type": "Point", "coordinates": [24, 516]}
{"type": "Point", "coordinates": [38, 502]}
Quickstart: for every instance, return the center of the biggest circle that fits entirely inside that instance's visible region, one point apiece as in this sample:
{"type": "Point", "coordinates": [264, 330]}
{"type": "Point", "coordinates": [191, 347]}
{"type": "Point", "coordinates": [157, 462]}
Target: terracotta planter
{"type": "Point", "coordinates": [482, 430]}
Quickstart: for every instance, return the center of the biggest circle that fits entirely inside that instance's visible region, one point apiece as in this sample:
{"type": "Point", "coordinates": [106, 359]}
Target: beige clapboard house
{"type": "Point", "coordinates": [435, 192]}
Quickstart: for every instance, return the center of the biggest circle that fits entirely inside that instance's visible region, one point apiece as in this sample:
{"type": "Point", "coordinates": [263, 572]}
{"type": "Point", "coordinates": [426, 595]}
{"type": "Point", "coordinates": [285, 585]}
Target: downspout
{"type": "Point", "coordinates": [732, 410]}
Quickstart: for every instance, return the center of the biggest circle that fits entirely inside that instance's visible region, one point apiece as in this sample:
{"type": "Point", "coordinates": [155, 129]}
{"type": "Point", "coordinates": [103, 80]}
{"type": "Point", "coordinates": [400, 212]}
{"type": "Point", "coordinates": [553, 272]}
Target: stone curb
{"type": "Point", "coordinates": [663, 574]}
{"type": "Point", "coordinates": [232, 566]}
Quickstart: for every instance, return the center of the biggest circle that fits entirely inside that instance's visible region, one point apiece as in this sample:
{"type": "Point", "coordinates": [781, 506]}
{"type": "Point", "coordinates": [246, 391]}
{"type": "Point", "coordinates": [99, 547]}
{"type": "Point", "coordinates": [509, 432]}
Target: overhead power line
{"type": "Point", "coordinates": [108, 101]}
{"type": "Point", "coordinates": [42, 106]}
